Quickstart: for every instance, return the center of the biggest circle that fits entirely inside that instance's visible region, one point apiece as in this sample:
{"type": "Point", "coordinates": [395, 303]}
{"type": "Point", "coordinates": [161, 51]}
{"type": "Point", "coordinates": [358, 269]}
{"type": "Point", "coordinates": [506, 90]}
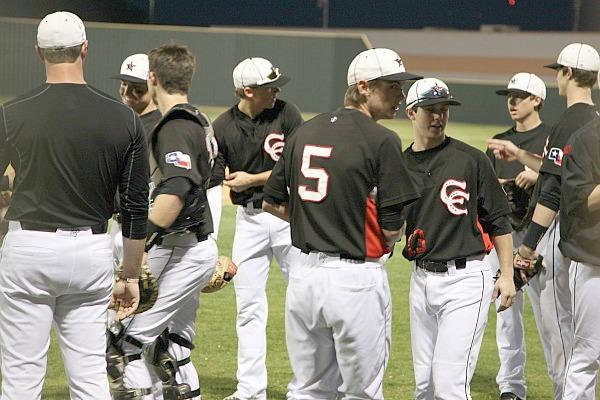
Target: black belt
{"type": "Point", "coordinates": [440, 266]}
{"type": "Point", "coordinates": [254, 204]}
{"type": "Point", "coordinates": [34, 226]}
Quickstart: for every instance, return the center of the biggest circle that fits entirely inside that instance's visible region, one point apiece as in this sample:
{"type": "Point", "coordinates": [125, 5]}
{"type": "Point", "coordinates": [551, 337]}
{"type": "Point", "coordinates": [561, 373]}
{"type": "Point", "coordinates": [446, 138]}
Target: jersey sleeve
{"type": "Point", "coordinates": [177, 150]}
{"type": "Point", "coordinates": [553, 153]}
{"type": "Point", "coordinates": [395, 184]}
{"type": "Point", "coordinates": [133, 186]}
{"type": "Point", "coordinates": [4, 157]}
{"type": "Point", "coordinates": [492, 204]}
{"type": "Point", "coordinates": [580, 175]}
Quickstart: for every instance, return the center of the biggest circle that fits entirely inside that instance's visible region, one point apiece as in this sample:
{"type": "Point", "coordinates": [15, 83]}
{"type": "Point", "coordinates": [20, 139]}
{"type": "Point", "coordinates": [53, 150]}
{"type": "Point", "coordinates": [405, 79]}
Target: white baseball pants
{"type": "Point", "coordinates": [259, 236]}
{"type": "Point", "coordinates": [215, 202]}
{"type": "Point", "coordinates": [62, 279]}
{"type": "Point", "coordinates": [338, 321]}
{"type": "Point", "coordinates": [448, 314]}
{"type": "Point", "coordinates": [183, 267]}
{"type": "Point", "coordinates": [581, 374]}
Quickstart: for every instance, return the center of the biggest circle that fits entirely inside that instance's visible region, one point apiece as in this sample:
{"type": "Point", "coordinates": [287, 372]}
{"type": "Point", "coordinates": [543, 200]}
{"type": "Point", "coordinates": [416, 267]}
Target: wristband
{"type": "Point", "coordinates": [128, 280]}
{"type": "Point", "coordinates": [534, 235]}
{"type": "Point", "coordinates": [4, 183]}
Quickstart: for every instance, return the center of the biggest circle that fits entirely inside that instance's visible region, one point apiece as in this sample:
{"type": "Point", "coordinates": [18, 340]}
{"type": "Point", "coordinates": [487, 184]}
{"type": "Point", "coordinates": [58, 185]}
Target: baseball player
{"type": "Point", "coordinates": [577, 69]}
{"type": "Point", "coordinates": [342, 183]}
{"type": "Point", "coordinates": [525, 96]}
{"type": "Point", "coordinates": [449, 230]}
{"type": "Point", "coordinates": [134, 90]}
{"type": "Point", "coordinates": [56, 265]}
{"type": "Point", "coordinates": [251, 136]}
{"type": "Point", "coordinates": [181, 254]}
{"type": "Point", "coordinates": [579, 233]}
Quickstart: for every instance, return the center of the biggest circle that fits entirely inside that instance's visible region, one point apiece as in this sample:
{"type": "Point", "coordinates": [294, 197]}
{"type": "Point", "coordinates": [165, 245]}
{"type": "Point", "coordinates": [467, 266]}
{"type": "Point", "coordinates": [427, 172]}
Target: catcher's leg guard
{"type": "Point", "coordinates": [166, 366]}
{"type": "Point", "coordinates": [116, 361]}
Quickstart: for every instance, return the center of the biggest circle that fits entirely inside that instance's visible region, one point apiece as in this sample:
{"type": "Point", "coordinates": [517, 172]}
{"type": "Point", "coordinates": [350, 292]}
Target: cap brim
{"type": "Point", "coordinates": [553, 66]}
{"type": "Point", "coordinates": [128, 78]}
{"type": "Point", "coordinates": [280, 81]}
{"type": "Point", "coordinates": [506, 92]}
{"type": "Point", "coordinates": [430, 102]}
{"type": "Point", "coordinates": [401, 76]}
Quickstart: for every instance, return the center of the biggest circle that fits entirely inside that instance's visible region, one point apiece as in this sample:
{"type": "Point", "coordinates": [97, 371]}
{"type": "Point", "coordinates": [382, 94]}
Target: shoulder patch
{"type": "Point", "coordinates": [556, 155]}
{"type": "Point", "coordinates": [179, 159]}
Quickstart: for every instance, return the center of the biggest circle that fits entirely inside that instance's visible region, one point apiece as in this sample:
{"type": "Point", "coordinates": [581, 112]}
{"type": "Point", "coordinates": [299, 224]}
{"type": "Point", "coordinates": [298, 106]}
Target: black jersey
{"type": "Point", "coordinates": [252, 145]}
{"type": "Point", "coordinates": [571, 120]}
{"type": "Point", "coordinates": [532, 141]}
{"type": "Point", "coordinates": [340, 168]}
{"type": "Point", "coordinates": [180, 149]}
{"type": "Point", "coordinates": [149, 120]}
{"type": "Point", "coordinates": [462, 205]}
{"type": "Point", "coordinates": [579, 227]}
{"type": "Point", "coordinates": [72, 146]}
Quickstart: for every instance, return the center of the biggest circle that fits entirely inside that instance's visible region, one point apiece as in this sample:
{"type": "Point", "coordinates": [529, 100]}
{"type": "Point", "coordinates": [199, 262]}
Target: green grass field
{"type": "Point", "coordinates": [215, 354]}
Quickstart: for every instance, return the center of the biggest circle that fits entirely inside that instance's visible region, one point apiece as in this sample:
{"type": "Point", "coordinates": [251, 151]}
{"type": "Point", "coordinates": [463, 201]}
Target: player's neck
{"type": "Point", "coordinates": [65, 73]}
{"type": "Point", "coordinates": [530, 122]}
{"type": "Point", "coordinates": [361, 107]}
{"type": "Point", "coordinates": [578, 94]}
{"type": "Point", "coordinates": [148, 109]}
{"type": "Point", "coordinates": [167, 101]}
{"type": "Point", "coordinates": [249, 108]}
{"type": "Point", "coordinates": [425, 143]}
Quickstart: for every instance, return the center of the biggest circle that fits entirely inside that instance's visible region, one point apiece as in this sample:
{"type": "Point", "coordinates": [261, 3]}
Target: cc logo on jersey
{"type": "Point", "coordinates": [454, 196]}
{"type": "Point", "coordinates": [273, 146]}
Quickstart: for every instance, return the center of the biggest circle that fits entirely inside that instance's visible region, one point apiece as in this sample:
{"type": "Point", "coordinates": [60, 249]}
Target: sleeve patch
{"type": "Point", "coordinates": [556, 155]}
{"type": "Point", "coordinates": [179, 159]}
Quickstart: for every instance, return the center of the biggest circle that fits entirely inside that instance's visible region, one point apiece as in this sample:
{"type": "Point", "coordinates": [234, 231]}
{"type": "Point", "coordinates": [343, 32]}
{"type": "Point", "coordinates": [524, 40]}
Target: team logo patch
{"type": "Point", "coordinates": [556, 155]}
{"type": "Point", "coordinates": [274, 143]}
{"type": "Point", "coordinates": [454, 196]}
{"type": "Point", "coordinates": [179, 159]}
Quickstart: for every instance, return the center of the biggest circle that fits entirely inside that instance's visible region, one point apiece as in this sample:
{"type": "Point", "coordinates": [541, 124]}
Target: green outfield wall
{"type": "Point", "coordinates": [317, 63]}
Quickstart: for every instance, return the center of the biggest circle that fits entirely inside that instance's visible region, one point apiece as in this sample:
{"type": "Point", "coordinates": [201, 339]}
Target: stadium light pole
{"type": "Point", "coordinates": [151, 4]}
{"type": "Point", "coordinates": [325, 8]}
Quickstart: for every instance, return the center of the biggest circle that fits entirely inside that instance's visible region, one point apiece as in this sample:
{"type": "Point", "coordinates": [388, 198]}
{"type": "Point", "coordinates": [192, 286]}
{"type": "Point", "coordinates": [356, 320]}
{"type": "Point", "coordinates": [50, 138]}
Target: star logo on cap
{"type": "Point", "coordinates": [513, 80]}
{"type": "Point", "coordinates": [399, 61]}
{"type": "Point", "coordinates": [130, 66]}
{"type": "Point", "coordinates": [437, 90]}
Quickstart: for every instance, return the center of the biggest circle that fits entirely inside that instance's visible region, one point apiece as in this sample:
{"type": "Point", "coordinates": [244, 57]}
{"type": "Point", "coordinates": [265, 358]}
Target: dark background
{"type": "Point", "coordinates": [546, 15]}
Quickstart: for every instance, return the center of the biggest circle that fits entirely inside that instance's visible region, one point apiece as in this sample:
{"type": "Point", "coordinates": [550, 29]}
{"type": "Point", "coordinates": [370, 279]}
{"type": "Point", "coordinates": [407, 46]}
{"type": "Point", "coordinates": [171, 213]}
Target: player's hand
{"type": "Point", "coordinates": [503, 149]}
{"type": "Point", "coordinates": [526, 252]}
{"type": "Point", "coordinates": [125, 298]}
{"type": "Point", "coordinates": [504, 288]}
{"type": "Point", "coordinates": [238, 181]}
{"type": "Point", "coordinates": [526, 179]}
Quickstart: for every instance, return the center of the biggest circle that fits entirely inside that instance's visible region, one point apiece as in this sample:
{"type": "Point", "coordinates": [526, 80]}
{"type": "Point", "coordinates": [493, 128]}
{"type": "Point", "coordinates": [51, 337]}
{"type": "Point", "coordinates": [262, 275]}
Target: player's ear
{"type": "Point", "coordinates": [84, 49]}
{"type": "Point", "coordinates": [363, 88]}
{"type": "Point", "coordinates": [152, 80]}
{"type": "Point", "coordinates": [248, 92]}
{"type": "Point", "coordinates": [410, 113]}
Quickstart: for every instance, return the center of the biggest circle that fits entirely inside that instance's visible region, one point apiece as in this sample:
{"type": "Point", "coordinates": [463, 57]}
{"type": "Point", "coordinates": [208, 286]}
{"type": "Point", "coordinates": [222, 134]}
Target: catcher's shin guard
{"type": "Point", "coordinates": [116, 362]}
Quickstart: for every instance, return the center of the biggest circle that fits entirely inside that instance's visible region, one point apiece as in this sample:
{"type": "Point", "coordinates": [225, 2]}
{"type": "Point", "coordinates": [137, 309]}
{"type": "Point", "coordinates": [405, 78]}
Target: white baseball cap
{"type": "Point", "coordinates": [429, 91]}
{"type": "Point", "coordinates": [526, 83]}
{"type": "Point", "coordinates": [59, 30]}
{"type": "Point", "coordinates": [257, 72]}
{"type": "Point", "coordinates": [134, 69]}
{"type": "Point", "coordinates": [380, 63]}
{"type": "Point", "coordinates": [578, 55]}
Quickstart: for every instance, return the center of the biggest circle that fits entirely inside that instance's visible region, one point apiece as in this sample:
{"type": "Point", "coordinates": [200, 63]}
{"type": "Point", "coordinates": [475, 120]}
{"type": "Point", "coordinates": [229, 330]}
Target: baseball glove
{"type": "Point", "coordinates": [525, 269]}
{"type": "Point", "coordinates": [148, 288]}
{"type": "Point", "coordinates": [518, 200]}
{"type": "Point", "coordinates": [225, 270]}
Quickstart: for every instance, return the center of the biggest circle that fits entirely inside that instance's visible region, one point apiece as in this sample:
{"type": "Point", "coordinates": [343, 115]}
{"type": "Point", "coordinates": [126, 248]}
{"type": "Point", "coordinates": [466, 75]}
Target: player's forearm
{"type": "Point", "coordinates": [594, 199]}
{"type": "Point", "coordinates": [504, 249]}
{"type": "Point", "coordinates": [165, 209]}
{"type": "Point", "coordinates": [530, 160]}
{"type": "Point", "coordinates": [133, 252]}
{"type": "Point", "coordinates": [260, 179]}
{"type": "Point", "coordinates": [391, 237]}
{"type": "Point", "coordinates": [279, 210]}
{"type": "Point", "coordinates": [543, 215]}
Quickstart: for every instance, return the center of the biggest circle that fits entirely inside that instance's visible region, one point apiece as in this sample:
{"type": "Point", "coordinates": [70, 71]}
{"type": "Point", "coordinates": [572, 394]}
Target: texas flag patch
{"type": "Point", "coordinates": [179, 159]}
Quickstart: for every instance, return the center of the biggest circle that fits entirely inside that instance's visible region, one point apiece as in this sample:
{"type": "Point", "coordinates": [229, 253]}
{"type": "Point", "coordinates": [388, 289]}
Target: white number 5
{"type": "Point", "coordinates": [305, 193]}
